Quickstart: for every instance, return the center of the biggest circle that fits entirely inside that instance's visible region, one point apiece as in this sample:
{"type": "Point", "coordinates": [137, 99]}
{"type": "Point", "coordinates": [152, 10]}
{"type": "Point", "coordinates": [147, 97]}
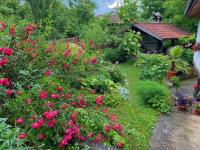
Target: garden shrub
{"type": "Point", "coordinates": [10, 137]}
{"type": "Point", "coordinates": [117, 55]}
{"type": "Point", "coordinates": [127, 47]}
{"type": "Point", "coordinates": [188, 56]}
{"type": "Point", "coordinates": [100, 84]}
{"type": "Point", "coordinates": [56, 108]}
{"type": "Point", "coordinates": [115, 74]}
{"type": "Point", "coordinates": [131, 43]}
{"type": "Point", "coordinates": [153, 66]}
{"type": "Point", "coordinates": [94, 31]}
{"type": "Point", "coordinates": [155, 95]}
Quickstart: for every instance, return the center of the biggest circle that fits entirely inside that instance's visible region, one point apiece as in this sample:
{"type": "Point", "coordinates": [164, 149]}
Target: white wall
{"type": "Point", "coordinates": [197, 54]}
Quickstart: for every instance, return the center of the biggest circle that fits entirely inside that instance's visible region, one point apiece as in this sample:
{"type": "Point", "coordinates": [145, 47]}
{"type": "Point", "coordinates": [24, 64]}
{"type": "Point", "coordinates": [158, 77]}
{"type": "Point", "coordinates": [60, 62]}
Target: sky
{"type": "Point", "coordinates": [105, 6]}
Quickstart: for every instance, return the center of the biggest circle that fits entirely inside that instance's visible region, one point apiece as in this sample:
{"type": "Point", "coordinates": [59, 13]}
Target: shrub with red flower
{"type": "Point", "coordinates": [55, 109]}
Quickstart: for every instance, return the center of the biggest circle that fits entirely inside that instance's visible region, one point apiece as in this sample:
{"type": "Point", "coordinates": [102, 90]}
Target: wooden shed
{"type": "Point", "coordinates": [153, 34]}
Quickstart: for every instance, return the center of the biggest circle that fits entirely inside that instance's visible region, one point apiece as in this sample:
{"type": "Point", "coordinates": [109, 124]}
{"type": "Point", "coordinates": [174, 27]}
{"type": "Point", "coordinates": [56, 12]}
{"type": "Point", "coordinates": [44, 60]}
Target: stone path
{"type": "Point", "coordinates": [179, 130]}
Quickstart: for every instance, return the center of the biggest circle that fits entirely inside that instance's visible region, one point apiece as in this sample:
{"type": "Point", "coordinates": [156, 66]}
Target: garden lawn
{"type": "Point", "coordinates": [135, 117]}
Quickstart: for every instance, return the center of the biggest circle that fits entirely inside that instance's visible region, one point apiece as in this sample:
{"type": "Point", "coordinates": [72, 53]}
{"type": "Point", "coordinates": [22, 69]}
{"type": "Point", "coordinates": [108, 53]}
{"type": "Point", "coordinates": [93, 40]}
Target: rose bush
{"type": "Point", "coordinates": [43, 90]}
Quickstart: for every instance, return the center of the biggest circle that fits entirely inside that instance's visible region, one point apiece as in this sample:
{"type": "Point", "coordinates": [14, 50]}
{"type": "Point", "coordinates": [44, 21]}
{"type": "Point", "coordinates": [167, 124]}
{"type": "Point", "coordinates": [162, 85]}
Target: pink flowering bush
{"type": "Point", "coordinates": [48, 99]}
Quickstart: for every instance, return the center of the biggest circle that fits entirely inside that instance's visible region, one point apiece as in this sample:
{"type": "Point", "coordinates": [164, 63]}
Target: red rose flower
{"type": "Point", "coordinates": [51, 123]}
{"type": "Point", "coordinates": [20, 120]}
{"type": "Point", "coordinates": [55, 96]}
{"type": "Point", "coordinates": [68, 96]}
{"type": "Point", "coordinates": [12, 30]}
{"type": "Point", "coordinates": [43, 95]}
{"type": "Point", "coordinates": [3, 61]}
{"type": "Point", "coordinates": [50, 114]}
{"type": "Point", "coordinates": [93, 61]}
{"type": "Point", "coordinates": [41, 136]}
{"type": "Point", "coordinates": [22, 136]}
{"type": "Point", "coordinates": [107, 128]}
{"type": "Point", "coordinates": [60, 89]}
{"type": "Point", "coordinates": [67, 66]}
{"type": "Point", "coordinates": [28, 101]}
{"type": "Point", "coordinates": [47, 73]}
{"type": "Point", "coordinates": [82, 138]}
{"type": "Point", "coordinates": [99, 100]}
{"type": "Point", "coordinates": [8, 52]}
{"type": "Point", "coordinates": [119, 145]}
{"type": "Point", "coordinates": [9, 92]}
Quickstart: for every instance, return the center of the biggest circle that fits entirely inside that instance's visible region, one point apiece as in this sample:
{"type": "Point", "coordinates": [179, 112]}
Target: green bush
{"type": "Point", "coordinates": [116, 55]}
{"type": "Point", "coordinates": [155, 95]}
{"type": "Point", "coordinates": [129, 46]}
{"type": "Point", "coordinates": [115, 74]}
{"type": "Point", "coordinates": [96, 33]}
{"type": "Point", "coordinates": [188, 56]}
{"type": "Point", "coordinates": [153, 67]}
{"type": "Point", "coordinates": [100, 84]}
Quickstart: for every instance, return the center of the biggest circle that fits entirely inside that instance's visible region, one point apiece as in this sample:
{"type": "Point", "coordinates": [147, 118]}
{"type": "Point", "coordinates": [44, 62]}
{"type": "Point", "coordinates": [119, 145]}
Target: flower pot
{"type": "Point", "coordinates": [197, 112]}
{"type": "Point", "coordinates": [182, 108]}
{"type": "Point", "coordinates": [171, 74]}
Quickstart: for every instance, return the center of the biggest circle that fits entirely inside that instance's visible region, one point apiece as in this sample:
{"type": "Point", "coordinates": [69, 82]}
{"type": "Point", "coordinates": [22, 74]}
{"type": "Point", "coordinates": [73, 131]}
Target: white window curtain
{"type": "Point", "coordinates": [197, 54]}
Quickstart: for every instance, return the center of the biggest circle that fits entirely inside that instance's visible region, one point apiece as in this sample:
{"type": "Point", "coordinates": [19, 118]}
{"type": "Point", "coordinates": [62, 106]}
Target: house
{"type": "Point", "coordinates": [193, 11]}
{"type": "Point", "coordinates": [154, 34]}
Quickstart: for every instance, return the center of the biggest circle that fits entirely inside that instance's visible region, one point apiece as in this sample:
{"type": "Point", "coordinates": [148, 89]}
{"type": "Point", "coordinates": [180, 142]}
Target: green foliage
{"type": "Point", "coordinates": [100, 84]}
{"type": "Point", "coordinates": [116, 55]}
{"type": "Point", "coordinates": [130, 43]}
{"type": "Point", "coordinates": [95, 32]}
{"type": "Point", "coordinates": [116, 74]}
{"type": "Point", "coordinates": [188, 56]}
{"type": "Point", "coordinates": [176, 82]}
{"type": "Point", "coordinates": [129, 46]}
{"type": "Point", "coordinates": [174, 13]}
{"type": "Point", "coordinates": [8, 137]}
{"type": "Point", "coordinates": [113, 99]}
{"type": "Point", "coordinates": [182, 66]}
{"type": "Point", "coordinates": [10, 8]}
{"type": "Point", "coordinates": [188, 40]}
{"type": "Point", "coordinates": [149, 7]}
{"type": "Point", "coordinates": [176, 52]}
{"type": "Point", "coordinates": [153, 67]}
{"type": "Point", "coordinates": [128, 13]}
{"type": "Point", "coordinates": [155, 95]}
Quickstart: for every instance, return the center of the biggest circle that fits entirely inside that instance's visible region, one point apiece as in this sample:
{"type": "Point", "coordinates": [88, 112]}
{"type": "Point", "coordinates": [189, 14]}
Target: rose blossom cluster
{"type": "Point", "coordinates": [72, 131]}
{"type": "Point", "coordinates": [51, 118]}
{"type": "Point", "coordinates": [6, 53]}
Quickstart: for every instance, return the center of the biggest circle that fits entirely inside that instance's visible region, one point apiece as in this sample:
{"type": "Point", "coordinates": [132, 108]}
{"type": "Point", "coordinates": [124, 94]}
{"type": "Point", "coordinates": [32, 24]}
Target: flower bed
{"type": "Point", "coordinates": [43, 93]}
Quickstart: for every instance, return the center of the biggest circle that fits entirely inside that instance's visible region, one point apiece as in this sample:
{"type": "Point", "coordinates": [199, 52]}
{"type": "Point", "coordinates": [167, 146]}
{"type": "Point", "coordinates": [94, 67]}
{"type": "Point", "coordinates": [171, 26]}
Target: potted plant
{"type": "Point", "coordinates": [175, 54]}
{"type": "Point", "coordinates": [182, 103]}
{"type": "Point", "coordinates": [196, 108]}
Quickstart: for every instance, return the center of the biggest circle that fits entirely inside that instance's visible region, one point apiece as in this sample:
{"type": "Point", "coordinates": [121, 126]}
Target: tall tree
{"type": "Point", "coordinates": [14, 7]}
{"type": "Point", "coordinates": [150, 6]}
{"type": "Point", "coordinates": [39, 8]}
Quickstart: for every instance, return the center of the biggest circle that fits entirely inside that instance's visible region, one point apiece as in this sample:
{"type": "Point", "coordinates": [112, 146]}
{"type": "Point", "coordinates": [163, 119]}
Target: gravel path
{"type": "Point", "coordinates": [179, 130]}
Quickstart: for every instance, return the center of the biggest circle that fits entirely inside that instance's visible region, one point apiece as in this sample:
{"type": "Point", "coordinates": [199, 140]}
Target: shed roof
{"type": "Point", "coordinates": [193, 8]}
{"type": "Point", "coordinates": [162, 31]}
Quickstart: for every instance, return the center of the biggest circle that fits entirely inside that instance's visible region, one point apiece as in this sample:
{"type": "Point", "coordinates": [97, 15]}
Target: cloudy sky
{"type": "Point", "coordinates": [105, 6]}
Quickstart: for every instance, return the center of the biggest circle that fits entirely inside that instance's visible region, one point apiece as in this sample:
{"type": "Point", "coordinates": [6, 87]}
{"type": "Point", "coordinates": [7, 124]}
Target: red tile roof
{"type": "Point", "coordinates": [162, 31]}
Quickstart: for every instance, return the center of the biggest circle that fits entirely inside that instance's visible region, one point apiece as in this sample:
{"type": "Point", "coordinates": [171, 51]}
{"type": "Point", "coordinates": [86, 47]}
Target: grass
{"type": "Point", "coordinates": [138, 120]}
